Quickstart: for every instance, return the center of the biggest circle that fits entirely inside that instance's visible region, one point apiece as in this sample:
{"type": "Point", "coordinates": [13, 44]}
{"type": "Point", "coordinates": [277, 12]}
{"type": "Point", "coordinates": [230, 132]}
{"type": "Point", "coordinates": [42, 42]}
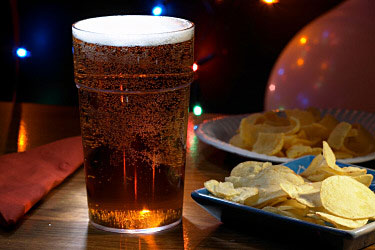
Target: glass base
{"type": "Point", "coordinates": [135, 231]}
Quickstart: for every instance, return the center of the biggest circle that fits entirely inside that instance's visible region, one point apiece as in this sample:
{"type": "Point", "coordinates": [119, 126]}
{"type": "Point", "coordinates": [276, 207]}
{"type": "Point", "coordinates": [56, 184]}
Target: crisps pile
{"type": "Point", "coordinates": [324, 193]}
{"type": "Point", "coordinates": [301, 132]}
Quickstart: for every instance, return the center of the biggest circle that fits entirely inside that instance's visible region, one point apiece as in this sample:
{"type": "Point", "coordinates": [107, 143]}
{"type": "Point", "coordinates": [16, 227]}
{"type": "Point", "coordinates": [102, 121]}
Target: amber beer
{"type": "Point", "coordinates": [133, 75]}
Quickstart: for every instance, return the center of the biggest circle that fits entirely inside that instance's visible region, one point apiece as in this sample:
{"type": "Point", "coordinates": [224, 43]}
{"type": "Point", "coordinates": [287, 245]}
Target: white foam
{"type": "Point", "coordinates": [132, 30]}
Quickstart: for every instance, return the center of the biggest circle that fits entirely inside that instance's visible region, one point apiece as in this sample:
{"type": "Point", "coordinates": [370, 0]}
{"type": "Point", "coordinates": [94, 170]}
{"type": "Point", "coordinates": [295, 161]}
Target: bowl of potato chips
{"type": "Point", "coordinates": [316, 194]}
{"type": "Point", "coordinates": [280, 136]}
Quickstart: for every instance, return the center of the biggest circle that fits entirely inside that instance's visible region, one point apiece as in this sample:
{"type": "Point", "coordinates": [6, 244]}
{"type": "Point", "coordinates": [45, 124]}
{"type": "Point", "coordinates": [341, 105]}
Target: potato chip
{"type": "Point", "coordinates": [315, 131]}
{"type": "Point", "coordinates": [343, 155]}
{"type": "Point", "coordinates": [292, 204]}
{"type": "Point", "coordinates": [329, 122]}
{"type": "Point", "coordinates": [302, 134]}
{"type": "Point", "coordinates": [312, 218]}
{"type": "Point", "coordinates": [269, 198]}
{"type": "Point", "coordinates": [276, 174]}
{"type": "Point", "coordinates": [297, 212]}
{"type": "Point", "coordinates": [328, 155]}
{"type": "Point", "coordinates": [311, 199]}
{"type": "Point", "coordinates": [307, 194]}
{"type": "Point", "coordinates": [294, 213]}
{"type": "Point", "coordinates": [275, 210]}
{"type": "Point", "coordinates": [316, 151]}
{"type": "Point", "coordinates": [268, 178]}
{"type": "Point", "coordinates": [246, 195]}
{"type": "Point", "coordinates": [319, 169]}
{"type": "Point", "coordinates": [248, 132]}
{"type": "Point", "coordinates": [249, 168]}
{"type": "Point", "coordinates": [320, 176]}
{"type": "Point", "coordinates": [348, 171]}
{"type": "Point", "coordinates": [237, 141]}
{"type": "Point", "coordinates": [352, 132]}
{"type": "Point", "coordinates": [353, 171]}
{"type": "Point", "coordinates": [361, 144]}
{"type": "Point", "coordinates": [342, 223]}
{"type": "Point", "coordinates": [306, 128]}
{"type": "Point", "coordinates": [337, 136]}
{"type": "Point", "coordinates": [339, 197]}
{"type": "Point", "coordinates": [223, 190]}
{"type": "Point", "coordinates": [240, 181]}
{"type": "Point", "coordinates": [314, 165]}
{"type": "Point", "coordinates": [289, 140]}
{"type": "Point", "coordinates": [273, 119]}
{"type": "Point", "coordinates": [268, 182]}
{"type": "Point", "coordinates": [210, 186]}
{"type": "Point", "coordinates": [291, 189]}
{"type": "Point", "coordinates": [328, 171]}
{"type": "Point", "coordinates": [253, 119]}
{"type": "Point", "coordinates": [348, 198]}
{"type": "Point", "coordinates": [284, 207]}
{"type": "Point", "coordinates": [365, 179]}
{"type": "Point", "coordinates": [268, 143]}
{"type": "Point", "coordinates": [315, 112]}
{"type": "Point", "coordinates": [292, 128]}
{"type": "Point", "coordinates": [298, 151]}
{"type": "Point", "coordinates": [303, 116]}
{"type": "Point", "coordinates": [280, 154]}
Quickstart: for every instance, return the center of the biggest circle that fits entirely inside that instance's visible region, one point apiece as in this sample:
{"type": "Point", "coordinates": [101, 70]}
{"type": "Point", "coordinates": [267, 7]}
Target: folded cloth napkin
{"type": "Point", "coordinates": [28, 176]}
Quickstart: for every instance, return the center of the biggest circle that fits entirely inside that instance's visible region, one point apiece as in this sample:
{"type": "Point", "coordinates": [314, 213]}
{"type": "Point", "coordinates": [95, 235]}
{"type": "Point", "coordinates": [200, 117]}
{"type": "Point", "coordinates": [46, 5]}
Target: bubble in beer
{"type": "Point", "coordinates": [133, 30]}
{"type": "Point", "coordinates": [134, 107]}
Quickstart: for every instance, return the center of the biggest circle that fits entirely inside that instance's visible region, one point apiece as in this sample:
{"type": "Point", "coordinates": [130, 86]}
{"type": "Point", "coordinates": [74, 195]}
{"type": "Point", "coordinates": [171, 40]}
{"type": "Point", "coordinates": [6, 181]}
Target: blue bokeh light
{"type": "Point", "coordinates": [157, 10]}
{"type": "Point", "coordinates": [22, 52]}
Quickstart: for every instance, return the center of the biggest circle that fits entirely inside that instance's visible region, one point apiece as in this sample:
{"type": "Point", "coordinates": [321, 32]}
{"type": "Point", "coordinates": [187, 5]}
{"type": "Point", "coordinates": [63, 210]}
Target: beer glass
{"type": "Point", "coordinates": [133, 75]}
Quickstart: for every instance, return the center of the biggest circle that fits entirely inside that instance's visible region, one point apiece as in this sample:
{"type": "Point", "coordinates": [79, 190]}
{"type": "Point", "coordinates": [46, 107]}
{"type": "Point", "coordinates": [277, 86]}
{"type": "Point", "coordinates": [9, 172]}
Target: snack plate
{"type": "Point", "coordinates": [217, 132]}
{"type": "Point", "coordinates": [249, 217]}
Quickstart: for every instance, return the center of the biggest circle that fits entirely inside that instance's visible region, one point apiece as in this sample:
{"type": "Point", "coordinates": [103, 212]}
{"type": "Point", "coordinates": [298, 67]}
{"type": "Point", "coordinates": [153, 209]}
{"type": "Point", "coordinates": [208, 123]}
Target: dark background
{"type": "Point", "coordinates": [236, 44]}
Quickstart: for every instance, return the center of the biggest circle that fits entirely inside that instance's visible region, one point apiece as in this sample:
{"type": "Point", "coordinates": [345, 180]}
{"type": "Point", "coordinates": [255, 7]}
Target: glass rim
{"type": "Point", "coordinates": [191, 25]}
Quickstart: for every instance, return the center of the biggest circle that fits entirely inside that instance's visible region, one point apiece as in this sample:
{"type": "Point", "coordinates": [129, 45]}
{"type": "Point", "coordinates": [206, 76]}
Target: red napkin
{"type": "Point", "coordinates": [28, 176]}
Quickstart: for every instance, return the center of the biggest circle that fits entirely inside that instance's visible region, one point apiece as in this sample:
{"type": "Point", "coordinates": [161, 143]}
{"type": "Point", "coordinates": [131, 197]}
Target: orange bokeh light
{"type": "Point", "coordinates": [270, 1]}
{"type": "Point", "coordinates": [22, 137]}
{"type": "Point", "coordinates": [272, 87]}
{"type": "Point", "coordinates": [300, 62]}
{"type": "Point", "coordinates": [324, 66]}
{"type": "Point", "coordinates": [195, 67]}
{"type": "Point", "coordinates": [144, 211]}
{"type": "Point", "coordinates": [303, 40]}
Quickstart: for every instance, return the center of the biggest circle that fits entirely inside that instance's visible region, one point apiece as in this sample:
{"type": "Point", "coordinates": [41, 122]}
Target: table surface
{"type": "Point", "coordinates": [60, 219]}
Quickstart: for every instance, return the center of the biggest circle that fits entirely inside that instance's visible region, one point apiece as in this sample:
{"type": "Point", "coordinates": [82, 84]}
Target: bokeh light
{"type": "Point", "coordinates": [300, 62]}
{"type": "Point", "coordinates": [270, 1]}
{"type": "Point", "coordinates": [197, 110]}
{"type": "Point", "coordinates": [272, 87]}
{"type": "Point", "coordinates": [195, 67]}
{"type": "Point", "coordinates": [22, 52]}
{"type": "Point", "coordinates": [303, 40]}
{"type": "Point", "coordinates": [157, 10]}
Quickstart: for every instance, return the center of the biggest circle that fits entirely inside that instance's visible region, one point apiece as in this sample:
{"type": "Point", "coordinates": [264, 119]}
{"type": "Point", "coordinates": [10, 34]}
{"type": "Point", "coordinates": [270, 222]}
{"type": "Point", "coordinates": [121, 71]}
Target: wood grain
{"type": "Point", "coordinates": [6, 109]}
{"type": "Point", "coordinates": [60, 220]}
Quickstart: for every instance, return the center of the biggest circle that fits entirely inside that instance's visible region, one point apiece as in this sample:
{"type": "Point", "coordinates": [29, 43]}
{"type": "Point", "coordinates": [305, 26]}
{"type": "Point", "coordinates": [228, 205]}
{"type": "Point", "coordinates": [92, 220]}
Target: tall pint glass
{"type": "Point", "coordinates": [133, 75]}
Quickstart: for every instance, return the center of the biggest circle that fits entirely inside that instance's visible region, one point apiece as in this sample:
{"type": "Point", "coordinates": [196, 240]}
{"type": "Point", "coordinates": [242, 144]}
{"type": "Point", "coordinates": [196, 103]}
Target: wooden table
{"type": "Point", "coordinates": [60, 220]}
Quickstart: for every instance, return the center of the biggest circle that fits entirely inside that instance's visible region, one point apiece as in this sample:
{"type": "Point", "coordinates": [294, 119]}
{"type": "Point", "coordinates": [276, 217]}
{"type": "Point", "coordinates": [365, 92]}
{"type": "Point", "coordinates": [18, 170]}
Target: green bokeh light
{"type": "Point", "coordinates": [197, 110]}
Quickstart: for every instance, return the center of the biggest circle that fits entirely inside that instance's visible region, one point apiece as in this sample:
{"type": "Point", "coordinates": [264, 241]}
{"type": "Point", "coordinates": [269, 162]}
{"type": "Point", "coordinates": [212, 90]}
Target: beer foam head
{"type": "Point", "coordinates": [133, 30]}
